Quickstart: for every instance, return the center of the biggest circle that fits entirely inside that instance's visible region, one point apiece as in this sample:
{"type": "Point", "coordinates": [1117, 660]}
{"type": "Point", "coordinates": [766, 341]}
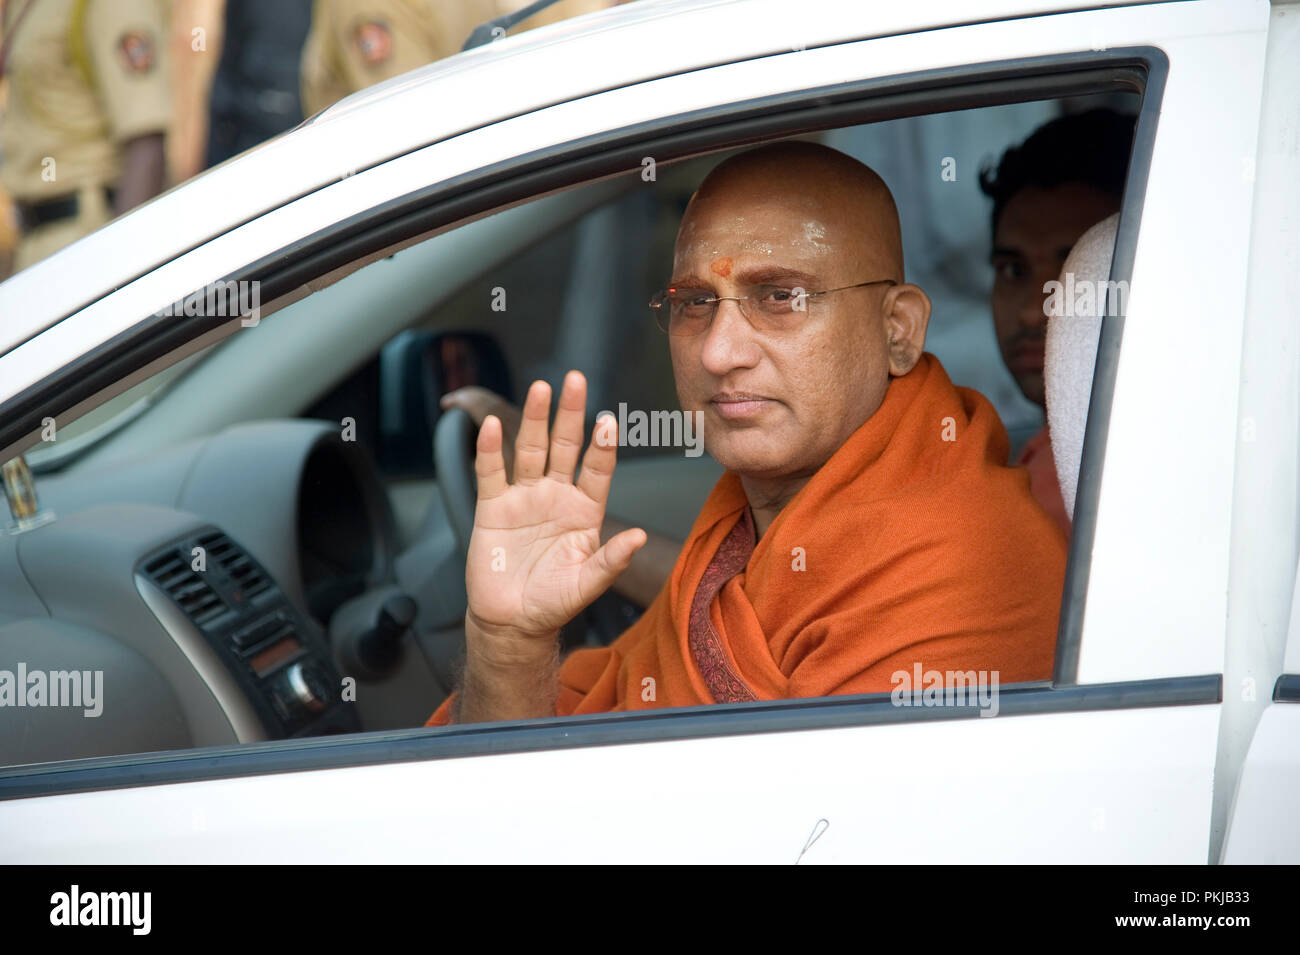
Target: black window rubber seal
{"type": "Point", "coordinates": [1287, 688]}
{"type": "Point", "coordinates": [574, 732]}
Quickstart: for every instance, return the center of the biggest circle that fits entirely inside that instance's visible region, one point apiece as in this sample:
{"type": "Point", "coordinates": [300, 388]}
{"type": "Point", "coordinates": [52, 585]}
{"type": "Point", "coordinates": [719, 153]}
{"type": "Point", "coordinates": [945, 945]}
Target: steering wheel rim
{"type": "Point", "coordinates": [453, 460]}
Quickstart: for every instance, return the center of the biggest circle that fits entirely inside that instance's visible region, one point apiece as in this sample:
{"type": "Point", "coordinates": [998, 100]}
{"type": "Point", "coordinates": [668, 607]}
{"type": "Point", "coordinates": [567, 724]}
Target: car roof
{"type": "Point", "coordinates": [619, 46]}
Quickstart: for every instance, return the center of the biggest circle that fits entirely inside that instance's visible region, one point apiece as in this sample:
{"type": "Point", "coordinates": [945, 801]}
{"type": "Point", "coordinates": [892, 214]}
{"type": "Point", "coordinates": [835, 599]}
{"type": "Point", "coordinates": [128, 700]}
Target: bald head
{"type": "Point", "coordinates": [780, 395]}
{"type": "Point", "coordinates": [833, 203]}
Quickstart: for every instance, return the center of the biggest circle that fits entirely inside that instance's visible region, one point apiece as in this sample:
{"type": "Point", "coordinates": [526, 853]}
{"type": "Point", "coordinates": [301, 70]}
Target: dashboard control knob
{"type": "Point", "coordinates": [305, 687]}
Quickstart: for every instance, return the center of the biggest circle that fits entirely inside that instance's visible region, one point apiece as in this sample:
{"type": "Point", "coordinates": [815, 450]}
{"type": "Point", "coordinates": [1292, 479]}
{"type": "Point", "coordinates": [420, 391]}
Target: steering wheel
{"type": "Point", "coordinates": [454, 440]}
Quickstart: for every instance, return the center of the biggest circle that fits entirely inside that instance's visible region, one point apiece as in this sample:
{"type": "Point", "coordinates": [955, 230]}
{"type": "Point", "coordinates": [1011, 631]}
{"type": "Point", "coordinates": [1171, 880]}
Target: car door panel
{"type": "Point", "coordinates": [1118, 768]}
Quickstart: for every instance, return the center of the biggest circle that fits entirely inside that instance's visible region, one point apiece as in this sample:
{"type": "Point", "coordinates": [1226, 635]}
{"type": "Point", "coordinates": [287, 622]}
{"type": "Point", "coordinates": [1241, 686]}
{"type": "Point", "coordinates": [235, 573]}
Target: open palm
{"type": "Point", "coordinates": [535, 558]}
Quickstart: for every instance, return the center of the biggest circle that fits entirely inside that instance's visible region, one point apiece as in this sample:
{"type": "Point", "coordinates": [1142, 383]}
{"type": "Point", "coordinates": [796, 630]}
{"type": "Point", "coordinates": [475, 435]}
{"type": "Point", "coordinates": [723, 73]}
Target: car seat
{"type": "Point", "coordinates": [1071, 353]}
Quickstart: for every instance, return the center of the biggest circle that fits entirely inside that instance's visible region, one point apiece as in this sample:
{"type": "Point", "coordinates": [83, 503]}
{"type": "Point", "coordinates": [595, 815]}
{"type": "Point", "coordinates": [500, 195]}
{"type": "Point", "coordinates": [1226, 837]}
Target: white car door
{"type": "Point", "coordinates": [1113, 761]}
{"type": "Point", "coordinates": [1258, 774]}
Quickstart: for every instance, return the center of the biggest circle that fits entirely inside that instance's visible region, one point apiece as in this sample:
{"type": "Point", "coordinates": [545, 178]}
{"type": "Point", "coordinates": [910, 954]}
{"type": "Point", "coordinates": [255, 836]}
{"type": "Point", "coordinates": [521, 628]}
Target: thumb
{"type": "Point", "coordinates": [602, 567]}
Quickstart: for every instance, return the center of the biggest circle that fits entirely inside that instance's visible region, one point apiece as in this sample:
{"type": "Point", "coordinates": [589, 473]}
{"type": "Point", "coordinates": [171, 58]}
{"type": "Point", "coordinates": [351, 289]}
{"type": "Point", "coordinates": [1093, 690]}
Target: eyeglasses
{"type": "Point", "coordinates": [773, 308]}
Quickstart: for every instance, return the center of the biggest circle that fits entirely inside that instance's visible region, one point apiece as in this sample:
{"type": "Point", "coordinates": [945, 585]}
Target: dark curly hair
{"type": "Point", "coordinates": [1091, 148]}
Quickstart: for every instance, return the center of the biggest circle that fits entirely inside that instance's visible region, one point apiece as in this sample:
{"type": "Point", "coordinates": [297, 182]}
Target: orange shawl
{"type": "Point", "coordinates": [914, 544]}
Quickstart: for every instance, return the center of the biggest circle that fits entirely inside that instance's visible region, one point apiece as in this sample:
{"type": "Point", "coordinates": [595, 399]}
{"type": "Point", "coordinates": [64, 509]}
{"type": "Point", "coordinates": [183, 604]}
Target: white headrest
{"type": "Point", "coordinates": [1071, 350]}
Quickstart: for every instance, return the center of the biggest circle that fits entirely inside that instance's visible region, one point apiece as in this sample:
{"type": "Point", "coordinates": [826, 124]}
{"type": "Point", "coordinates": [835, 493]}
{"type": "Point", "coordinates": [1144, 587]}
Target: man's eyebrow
{"type": "Point", "coordinates": [762, 274]}
{"type": "Point", "coordinates": [758, 275]}
{"type": "Point", "coordinates": [1006, 251]}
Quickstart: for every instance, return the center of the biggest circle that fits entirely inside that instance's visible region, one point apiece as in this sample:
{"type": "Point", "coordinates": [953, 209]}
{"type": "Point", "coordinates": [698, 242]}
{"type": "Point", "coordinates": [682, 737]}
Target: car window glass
{"type": "Point", "coordinates": [577, 297]}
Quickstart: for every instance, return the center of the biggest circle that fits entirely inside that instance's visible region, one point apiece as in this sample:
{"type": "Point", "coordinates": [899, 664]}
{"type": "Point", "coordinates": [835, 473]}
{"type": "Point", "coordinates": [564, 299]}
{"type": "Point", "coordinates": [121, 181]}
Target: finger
{"type": "Point", "coordinates": [488, 462]}
{"type": "Point", "coordinates": [530, 446]}
{"type": "Point", "coordinates": [566, 434]}
{"type": "Point", "coordinates": [607, 563]}
{"type": "Point", "coordinates": [598, 463]}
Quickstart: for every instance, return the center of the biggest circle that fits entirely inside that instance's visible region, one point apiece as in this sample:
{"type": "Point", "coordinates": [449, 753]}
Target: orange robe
{"type": "Point", "coordinates": [914, 544]}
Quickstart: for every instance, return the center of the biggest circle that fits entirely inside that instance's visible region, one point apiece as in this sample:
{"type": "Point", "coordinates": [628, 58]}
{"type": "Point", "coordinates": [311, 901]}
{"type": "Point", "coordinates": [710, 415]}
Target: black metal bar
{"type": "Point", "coordinates": [485, 33]}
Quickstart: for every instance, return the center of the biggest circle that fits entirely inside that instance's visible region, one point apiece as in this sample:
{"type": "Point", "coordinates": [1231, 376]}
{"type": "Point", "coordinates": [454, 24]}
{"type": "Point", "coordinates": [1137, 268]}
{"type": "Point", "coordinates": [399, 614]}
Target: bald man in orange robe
{"type": "Point", "coordinates": [866, 523]}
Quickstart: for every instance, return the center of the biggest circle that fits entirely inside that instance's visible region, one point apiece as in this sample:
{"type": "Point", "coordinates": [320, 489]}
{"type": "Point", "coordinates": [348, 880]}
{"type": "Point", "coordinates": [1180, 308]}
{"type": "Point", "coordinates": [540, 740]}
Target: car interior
{"type": "Point", "coordinates": [314, 501]}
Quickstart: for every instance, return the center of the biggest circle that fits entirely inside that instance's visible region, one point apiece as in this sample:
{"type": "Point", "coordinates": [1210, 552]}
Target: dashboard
{"type": "Point", "coordinates": [200, 590]}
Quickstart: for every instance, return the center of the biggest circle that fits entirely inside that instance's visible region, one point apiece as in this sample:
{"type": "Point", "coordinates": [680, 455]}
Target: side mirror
{"type": "Point", "coordinates": [416, 369]}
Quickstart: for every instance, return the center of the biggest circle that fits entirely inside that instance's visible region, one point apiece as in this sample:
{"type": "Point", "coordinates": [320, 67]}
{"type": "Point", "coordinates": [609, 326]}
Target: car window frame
{"type": "Point", "coordinates": [453, 202]}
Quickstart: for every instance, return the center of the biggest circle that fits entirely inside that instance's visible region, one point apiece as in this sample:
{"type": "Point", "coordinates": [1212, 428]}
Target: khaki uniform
{"type": "Point", "coordinates": [357, 43]}
{"type": "Point", "coordinates": [84, 77]}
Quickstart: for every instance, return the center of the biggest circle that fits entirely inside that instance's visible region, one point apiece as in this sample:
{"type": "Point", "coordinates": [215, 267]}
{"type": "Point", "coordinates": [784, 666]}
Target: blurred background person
{"type": "Point", "coordinates": [8, 230]}
{"type": "Point", "coordinates": [106, 102]}
{"type": "Point", "coordinates": [357, 43]}
{"type": "Point", "coordinates": [255, 91]}
{"type": "Point", "coordinates": [89, 102]}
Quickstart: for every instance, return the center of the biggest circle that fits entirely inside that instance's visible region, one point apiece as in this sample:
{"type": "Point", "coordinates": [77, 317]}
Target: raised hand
{"type": "Point", "coordinates": [535, 558]}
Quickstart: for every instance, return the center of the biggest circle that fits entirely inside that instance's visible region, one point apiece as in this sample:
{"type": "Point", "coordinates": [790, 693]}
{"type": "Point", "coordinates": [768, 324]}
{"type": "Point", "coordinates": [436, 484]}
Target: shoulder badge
{"type": "Point", "coordinates": [374, 41]}
{"type": "Point", "coordinates": [137, 49]}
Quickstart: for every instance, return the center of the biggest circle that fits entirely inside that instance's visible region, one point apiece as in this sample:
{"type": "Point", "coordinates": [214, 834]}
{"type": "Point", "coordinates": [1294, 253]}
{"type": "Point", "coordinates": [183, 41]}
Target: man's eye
{"type": "Point", "coordinates": [775, 297]}
{"type": "Point", "coordinates": [693, 301]}
{"type": "Point", "coordinates": [1010, 271]}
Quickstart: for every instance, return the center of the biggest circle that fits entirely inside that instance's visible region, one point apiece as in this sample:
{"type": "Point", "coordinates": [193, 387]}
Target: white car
{"type": "Point", "coordinates": [269, 704]}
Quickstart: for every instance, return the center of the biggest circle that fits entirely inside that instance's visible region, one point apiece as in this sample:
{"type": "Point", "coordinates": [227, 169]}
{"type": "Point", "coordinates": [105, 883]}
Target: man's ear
{"type": "Point", "coordinates": [906, 310]}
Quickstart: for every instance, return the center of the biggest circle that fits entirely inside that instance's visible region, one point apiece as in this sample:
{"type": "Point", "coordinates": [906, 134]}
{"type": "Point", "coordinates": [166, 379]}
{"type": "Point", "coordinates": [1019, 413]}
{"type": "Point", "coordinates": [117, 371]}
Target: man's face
{"type": "Point", "coordinates": [778, 404]}
{"type": "Point", "coordinates": [459, 363]}
{"type": "Point", "coordinates": [1035, 233]}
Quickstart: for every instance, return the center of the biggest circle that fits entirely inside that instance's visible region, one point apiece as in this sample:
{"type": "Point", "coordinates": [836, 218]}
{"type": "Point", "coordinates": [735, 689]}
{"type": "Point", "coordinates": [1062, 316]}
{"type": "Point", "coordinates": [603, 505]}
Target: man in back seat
{"type": "Point", "coordinates": [1066, 177]}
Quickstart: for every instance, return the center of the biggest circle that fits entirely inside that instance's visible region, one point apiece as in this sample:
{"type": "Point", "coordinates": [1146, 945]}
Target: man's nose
{"type": "Point", "coordinates": [1033, 308]}
{"type": "Point", "coordinates": [729, 341]}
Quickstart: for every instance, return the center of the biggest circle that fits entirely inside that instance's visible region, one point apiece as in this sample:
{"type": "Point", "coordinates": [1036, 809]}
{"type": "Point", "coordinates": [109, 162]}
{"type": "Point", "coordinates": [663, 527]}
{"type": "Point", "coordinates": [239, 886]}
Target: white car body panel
{"type": "Point", "coordinates": [1264, 582]}
{"type": "Point", "coordinates": [1263, 830]}
{"type": "Point", "coordinates": [1004, 789]}
{"type": "Point", "coordinates": [1157, 596]}
{"type": "Point", "coordinates": [1122, 785]}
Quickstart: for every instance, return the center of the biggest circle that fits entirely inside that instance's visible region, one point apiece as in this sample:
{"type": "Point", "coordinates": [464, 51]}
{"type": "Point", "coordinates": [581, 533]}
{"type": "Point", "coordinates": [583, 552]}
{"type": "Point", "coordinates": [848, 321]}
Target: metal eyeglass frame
{"type": "Point", "coordinates": [659, 301]}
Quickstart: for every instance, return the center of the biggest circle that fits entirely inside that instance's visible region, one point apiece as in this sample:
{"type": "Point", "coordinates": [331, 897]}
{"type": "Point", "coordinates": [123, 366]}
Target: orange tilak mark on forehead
{"type": "Point", "coordinates": [721, 267]}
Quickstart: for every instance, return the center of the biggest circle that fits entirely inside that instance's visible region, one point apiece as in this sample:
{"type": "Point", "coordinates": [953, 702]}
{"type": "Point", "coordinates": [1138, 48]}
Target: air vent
{"type": "Point", "coordinates": [245, 574]}
{"type": "Point", "coordinates": [187, 587]}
